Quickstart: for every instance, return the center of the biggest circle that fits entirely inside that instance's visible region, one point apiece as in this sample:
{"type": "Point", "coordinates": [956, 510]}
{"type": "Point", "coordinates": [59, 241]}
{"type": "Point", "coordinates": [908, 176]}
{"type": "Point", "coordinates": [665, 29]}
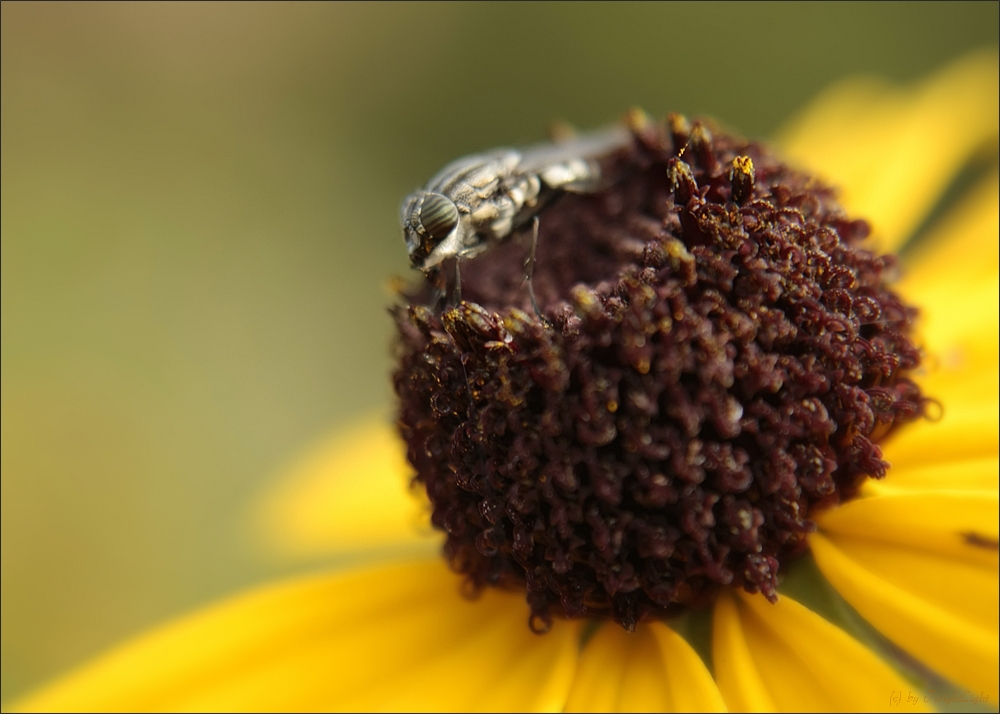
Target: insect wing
{"type": "Point", "coordinates": [474, 176]}
{"type": "Point", "coordinates": [573, 165]}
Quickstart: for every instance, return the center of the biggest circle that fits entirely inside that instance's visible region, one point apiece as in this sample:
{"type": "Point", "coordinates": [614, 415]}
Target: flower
{"type": "Point", "coordinates": [716, 356]}
{"type": "Point", "coordinates": [915, 554]}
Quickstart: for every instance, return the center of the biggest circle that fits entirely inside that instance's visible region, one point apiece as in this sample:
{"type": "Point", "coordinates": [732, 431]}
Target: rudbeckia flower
{"type": "Point", "coordinates": [907, 564]}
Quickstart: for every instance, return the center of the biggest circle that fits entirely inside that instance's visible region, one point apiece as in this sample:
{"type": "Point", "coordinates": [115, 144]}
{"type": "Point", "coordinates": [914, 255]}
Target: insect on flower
{"type": "Point", "coordinates": [478, 201]}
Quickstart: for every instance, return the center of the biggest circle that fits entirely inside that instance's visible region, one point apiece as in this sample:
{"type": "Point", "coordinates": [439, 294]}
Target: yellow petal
{"type": "Point", "coordinates": [962, 244]}
{"type": "Point", "coordinates": [399, 637]}
{"type": "Point", "coordinates": [950, 524]}
{"type": "Point", "coordinates": [740, 682]}
{"type": "Point", "coordinates": [966, 431]}
{"type": "Point", "coordinates": [973, 474]}
{"type": "Point", "coordinates": [955, 279]}
{"type": "Point", "coordinates": [936, 543]}
{"type": "Point", "coordinates": [688, 680]}
{"type": "Point", "coordinates": [964, 589]}
{"type": "Point", "coordinates": [788, 658]}
{"type": "Point", "coordinates": [351, 492]}
{"type": "Point", "coordinates": [968, 427]}
{"type": "Point", "coordinates": [651, 669]}
{"type": "Point", "coordinates": [958, 327]}
{"type": "Point", "coordinates": [939, 609]}
{"type": "Point", "coordinates": [894, 151]}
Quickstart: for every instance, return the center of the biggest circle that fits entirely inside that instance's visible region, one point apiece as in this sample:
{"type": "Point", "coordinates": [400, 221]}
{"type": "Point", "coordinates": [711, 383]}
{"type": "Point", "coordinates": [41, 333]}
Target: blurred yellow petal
{"type": "Point", "coordinates": [688, 680]}
{"type": "Point", "coordinates": [955, 278]}
{"type": "Point", "coordinates": [349, 493]}
{"type": "Point", "coordinates": [926, 603]}
{"type": "Point", "coordinates": [398, 637]}
{"type": "Point", "coordinates": [963, 588]}
{"type": "Point", "coordinates": [652, 669]}
{"type": "Point", "coordinates": [736, 673]}
{"type": "Point", "coordinates": [800, 660]}
{"type": "Point", "coordinates": [947, 523]}
{"type": "Point", "coordinates": [963, 244]}
{"type": "Point", "coordinates": [894, 151]}
{"type": "Point", "coordinates": [966, 431]}
{"type": "Point", "coordinates": [973, 474]}
{"type": "Point", "coordinates": [919, 555]}
{"type": "Point", "coordinates": [960, 328]}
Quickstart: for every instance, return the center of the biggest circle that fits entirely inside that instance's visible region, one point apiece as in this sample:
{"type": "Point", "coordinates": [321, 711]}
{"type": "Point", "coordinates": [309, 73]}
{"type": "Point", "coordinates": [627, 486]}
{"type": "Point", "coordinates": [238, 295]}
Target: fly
{"type": "Point", "coordinates": [478, 201]}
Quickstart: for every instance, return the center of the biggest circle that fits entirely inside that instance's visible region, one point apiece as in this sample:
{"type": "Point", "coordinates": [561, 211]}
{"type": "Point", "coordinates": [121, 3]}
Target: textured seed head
{"type": "Point", "coordinates": [719, 358]}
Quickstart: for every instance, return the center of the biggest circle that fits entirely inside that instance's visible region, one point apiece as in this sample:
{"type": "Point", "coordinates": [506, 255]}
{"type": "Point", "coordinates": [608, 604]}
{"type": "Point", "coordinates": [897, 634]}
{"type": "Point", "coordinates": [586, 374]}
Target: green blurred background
{"type": "Point", "coordinates": [200, 214]}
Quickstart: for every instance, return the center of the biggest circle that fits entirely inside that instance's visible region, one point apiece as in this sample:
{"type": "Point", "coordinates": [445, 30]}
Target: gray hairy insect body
{"type": "Point", "coordinates": [477, 201]}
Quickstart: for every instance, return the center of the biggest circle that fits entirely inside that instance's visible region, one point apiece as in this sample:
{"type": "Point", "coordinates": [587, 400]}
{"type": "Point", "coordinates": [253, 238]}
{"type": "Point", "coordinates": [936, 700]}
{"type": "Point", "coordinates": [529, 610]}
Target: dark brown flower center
{"type": "Point", "coordinates": [721, 357]}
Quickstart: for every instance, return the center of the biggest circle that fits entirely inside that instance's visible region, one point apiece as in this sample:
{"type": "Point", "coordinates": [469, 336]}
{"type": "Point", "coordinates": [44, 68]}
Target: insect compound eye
{"type": "Point", "coordinates": [438, 216]}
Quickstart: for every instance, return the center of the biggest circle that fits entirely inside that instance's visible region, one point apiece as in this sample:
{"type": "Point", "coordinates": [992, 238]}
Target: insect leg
{"type": "Point", "coordinates": [457, 292]}
{"type": "Point", "coordinates": [529, 267]}
{"type": "Point", "coordinates": [439, 288]}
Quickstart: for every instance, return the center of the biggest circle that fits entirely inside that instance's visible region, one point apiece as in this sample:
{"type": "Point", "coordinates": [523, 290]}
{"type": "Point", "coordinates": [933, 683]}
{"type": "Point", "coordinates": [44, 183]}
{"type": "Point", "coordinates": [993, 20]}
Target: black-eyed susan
{"type": "Point", "coordinates": [548, 449]}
